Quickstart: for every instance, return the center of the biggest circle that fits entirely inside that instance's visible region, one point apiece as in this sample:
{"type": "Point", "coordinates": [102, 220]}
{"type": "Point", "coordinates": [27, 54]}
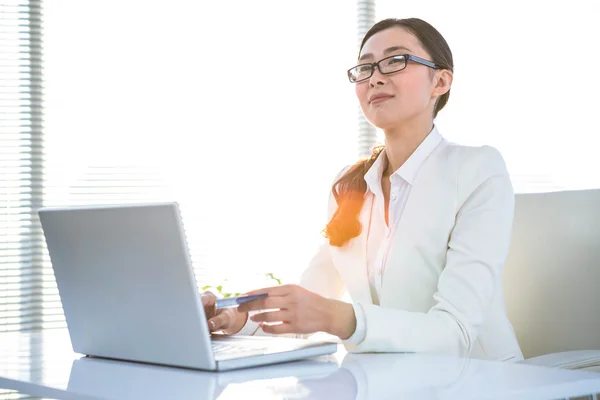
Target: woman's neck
{"type": "Point", "coordinates": [402, 141]}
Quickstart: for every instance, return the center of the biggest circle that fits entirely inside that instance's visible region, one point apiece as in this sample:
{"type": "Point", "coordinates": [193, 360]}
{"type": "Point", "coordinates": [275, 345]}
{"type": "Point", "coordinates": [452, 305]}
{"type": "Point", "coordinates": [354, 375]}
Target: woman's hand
{"type": "Point", "coordinates": [228, 320]}
{"type": "Point", "coordinates": [293, 309]}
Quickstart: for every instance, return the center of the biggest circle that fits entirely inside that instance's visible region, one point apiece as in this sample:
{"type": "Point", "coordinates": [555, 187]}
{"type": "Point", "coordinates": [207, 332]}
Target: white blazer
{"type": "Point", "coordinates": [442, 284]}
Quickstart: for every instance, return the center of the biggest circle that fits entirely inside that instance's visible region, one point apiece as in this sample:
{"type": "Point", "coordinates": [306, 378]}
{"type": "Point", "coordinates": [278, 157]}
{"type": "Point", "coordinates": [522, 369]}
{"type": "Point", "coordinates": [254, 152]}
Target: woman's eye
{"type": "Point", "coordinates": [395, 60]}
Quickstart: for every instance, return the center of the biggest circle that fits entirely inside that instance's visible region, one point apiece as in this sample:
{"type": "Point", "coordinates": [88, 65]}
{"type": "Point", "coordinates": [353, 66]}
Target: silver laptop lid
{"type": "Point", "coordinates": [126, 283]}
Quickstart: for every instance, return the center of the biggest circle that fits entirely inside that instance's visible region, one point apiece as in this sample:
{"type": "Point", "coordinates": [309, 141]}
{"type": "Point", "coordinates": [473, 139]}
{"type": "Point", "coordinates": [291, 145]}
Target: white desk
{"type": "Point", "coordinates": [44, 365]}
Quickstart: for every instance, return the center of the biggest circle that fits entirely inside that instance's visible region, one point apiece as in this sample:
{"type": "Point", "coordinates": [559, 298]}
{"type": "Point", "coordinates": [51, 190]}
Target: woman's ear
{"type": "Point", "coordinates": [443, 81]}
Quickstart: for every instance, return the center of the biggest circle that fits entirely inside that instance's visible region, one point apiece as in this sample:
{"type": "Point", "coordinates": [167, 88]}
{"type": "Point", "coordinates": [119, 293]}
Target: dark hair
{"type": "Point", "coordinates": [349, 190]}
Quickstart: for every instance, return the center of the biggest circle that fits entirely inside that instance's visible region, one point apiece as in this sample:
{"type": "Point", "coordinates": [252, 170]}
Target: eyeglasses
{"type": "Point", "coordinates": [388, 65]}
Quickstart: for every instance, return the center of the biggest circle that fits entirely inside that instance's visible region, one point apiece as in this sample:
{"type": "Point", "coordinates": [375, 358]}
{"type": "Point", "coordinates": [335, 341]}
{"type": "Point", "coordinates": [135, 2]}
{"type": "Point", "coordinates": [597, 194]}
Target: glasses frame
{"type": "Point", "coordinates": [407, 58]}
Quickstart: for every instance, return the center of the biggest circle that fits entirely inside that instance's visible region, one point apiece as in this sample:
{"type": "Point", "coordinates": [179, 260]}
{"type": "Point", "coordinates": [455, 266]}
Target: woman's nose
{"type": "Point", "coordinates": [377, 79]}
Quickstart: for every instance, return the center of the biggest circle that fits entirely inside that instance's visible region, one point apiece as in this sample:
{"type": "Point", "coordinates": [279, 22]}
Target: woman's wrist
{"type": "Point", "coordinates": [342, 319]}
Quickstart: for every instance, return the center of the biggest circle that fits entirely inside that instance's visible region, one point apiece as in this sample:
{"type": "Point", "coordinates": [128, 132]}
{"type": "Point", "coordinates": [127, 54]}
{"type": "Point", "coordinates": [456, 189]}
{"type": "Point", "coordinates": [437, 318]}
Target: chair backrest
{"type": "Point", "coordinates": [552, 274]}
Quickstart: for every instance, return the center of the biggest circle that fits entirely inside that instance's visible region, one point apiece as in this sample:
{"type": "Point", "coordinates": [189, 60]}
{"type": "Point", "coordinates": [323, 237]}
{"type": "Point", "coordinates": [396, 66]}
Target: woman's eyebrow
{"type": "Point", "coordinates": [386, 51]}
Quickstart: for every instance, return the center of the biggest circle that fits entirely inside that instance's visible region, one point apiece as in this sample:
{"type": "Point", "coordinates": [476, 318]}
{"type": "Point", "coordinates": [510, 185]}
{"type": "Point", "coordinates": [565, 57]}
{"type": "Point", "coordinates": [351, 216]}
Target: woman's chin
{"type": "Point", "coordinates": [384, 123]}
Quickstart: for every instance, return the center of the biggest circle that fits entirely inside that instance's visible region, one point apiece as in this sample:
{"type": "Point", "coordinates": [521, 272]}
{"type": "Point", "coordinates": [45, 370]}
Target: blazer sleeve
{"type": "Point", "coordinates": [477, 249]}
{"type": "Point", "coordinates": [321, 276]}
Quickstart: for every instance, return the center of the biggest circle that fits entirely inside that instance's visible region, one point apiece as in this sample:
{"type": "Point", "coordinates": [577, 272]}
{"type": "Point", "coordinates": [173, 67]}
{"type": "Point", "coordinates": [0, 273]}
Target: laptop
{"type": "Point", "coordinates": [128, 292]}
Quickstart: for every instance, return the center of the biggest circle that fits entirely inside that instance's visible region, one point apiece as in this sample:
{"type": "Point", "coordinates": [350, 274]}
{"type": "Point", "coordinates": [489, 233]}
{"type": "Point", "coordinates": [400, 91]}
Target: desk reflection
{"type": "Point", "coordinates": [383, 376]}
{"type": "Point", "coordinates": [428, 376]}
{"type": "Point", "coordinates": [42, 364]}
{"type": "Point", "coordinates": [110, 379]}
{"type": "Point", "coordinates": [360, 376]}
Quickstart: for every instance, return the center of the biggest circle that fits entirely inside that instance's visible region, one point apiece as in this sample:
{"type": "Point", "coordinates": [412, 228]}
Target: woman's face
{"type": "Point", "coordinates": [393, 99]}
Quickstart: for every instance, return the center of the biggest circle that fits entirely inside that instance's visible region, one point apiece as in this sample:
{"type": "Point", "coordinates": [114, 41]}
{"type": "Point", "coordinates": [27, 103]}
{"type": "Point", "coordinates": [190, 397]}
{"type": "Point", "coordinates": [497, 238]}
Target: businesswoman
{"type": "Point", "coordinates": [418, 233]}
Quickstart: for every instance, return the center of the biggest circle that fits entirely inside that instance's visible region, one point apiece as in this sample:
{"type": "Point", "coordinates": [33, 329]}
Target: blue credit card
{"type": "Point", "coordinates": [236, 301]}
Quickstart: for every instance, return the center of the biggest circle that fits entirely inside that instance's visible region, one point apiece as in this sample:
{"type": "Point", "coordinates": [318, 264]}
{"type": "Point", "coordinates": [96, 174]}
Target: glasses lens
{"type": "Point", "coordinates": [392, 64]}
{"type": "Point", "coordinates": [360, 73]}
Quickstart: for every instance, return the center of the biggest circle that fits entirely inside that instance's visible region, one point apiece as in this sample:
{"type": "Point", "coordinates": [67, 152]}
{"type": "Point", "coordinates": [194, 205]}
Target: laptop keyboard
{"type": "Point", "coordinates": [237, 347]}
{"type": "Point", "coordinates": [232, 347]}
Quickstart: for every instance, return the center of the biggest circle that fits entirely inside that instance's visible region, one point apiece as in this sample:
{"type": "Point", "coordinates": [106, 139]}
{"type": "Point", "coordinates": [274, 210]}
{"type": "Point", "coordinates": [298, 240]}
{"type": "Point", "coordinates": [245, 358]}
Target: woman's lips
{"type": "Point", "coordinates": [379, 99]}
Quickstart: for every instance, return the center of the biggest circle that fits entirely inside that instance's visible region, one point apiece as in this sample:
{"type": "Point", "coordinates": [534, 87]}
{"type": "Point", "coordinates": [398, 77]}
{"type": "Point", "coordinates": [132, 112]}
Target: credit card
{"type": "Point", "coordinates": [236, 301]}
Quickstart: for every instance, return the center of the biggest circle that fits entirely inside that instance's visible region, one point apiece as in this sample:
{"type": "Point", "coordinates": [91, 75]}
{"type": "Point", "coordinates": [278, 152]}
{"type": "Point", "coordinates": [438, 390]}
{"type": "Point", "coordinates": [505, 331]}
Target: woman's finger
{"type": "Point", "coordinates": [208, 299]}
{"type": "Point", "coordinates": [267, 303]}
{"type": "Point", "coordinates": [209, 302]}
{"type": "Point", "coordinates": [277, 329]}
{"type": "Point", "coordinates": [220, 321]}
{"type": "Point", "coordinates": [280, 290]}
{"type": "Point", "coordinates": [272, 316]}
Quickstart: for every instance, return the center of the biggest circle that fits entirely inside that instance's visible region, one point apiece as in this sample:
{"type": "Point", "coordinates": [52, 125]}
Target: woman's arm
{"type": "Point", "coordinates": [320, 278]}
{"type": "Point", "coordinates": [317, 298]}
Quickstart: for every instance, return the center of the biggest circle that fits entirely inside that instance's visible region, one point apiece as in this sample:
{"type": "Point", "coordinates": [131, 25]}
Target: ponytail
{"type": "Point", "coordinates": [349, 192]}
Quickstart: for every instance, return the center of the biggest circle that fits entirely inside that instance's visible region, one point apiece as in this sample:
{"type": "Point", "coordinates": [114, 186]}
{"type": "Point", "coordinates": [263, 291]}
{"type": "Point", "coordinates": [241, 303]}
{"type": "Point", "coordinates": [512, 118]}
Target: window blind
{"type": "Point", "coordinates": [367, 134]}
{"type": "Point", "coordinates": [216, 110]}
{"type": "Point", "coordinates": [22, 273]}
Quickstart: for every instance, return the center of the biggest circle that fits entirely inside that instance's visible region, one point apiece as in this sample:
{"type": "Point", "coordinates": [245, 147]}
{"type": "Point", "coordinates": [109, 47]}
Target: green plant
{"type": "Point", "coordinates": [219, 289]}
{"type": "Point", "coordinates": [271, 276]}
